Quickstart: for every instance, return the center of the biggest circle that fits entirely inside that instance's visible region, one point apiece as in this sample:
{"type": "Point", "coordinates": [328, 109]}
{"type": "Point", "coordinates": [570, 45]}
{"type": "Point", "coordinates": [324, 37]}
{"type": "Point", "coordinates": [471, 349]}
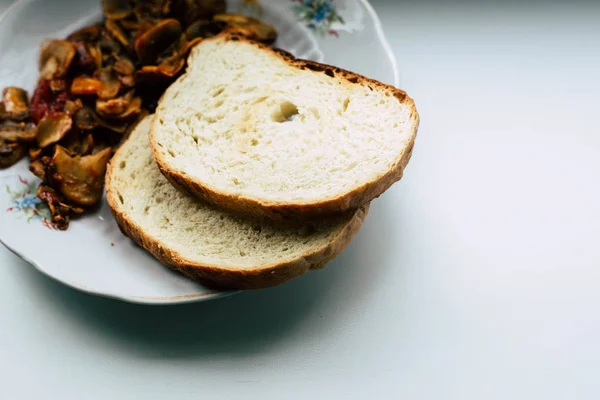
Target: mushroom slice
{"type": "Point", "coordinates": [110, 83]}
{"type": "Point", "coordinates": [153, 42]}
{"type": "Point", "coordinates": [35, 153]}
{"type": "Point", "coordinates": [16, 103]}
{"type": "Point", "coordinates": [38, 168]}
{"type": "Point", "coordinates": [11, 131]}
{"type": "Point", "coordinates": [11, 153]}
{"type": "Point", "coordinates": [114, 107]}
{"type": "Point", "coordinates": [72, 106]}
{"type": "Point", "coordinates": [83, 86]}
{"type": "Point", "coordinates": [204, 29]}
{"type": "Point", "coordinates": [55, 58]}
{"type": "Point", "coordinates": [134, 108]}
{"type": "Point", "coordinates": [130, 25]}
{"type": "Point", "coordinates": [116, 9]}
{"type": "Point", "coordinates": [86, 119]}
{"type": "Point", "coordinates": [186, 46]}
{"type": "Point", "coordinates": [79, 143]}
{"type": "Point", "coordinates": [161, 73]}
{"type": "Point", "coordinates": [189, 11]}
{"type": "Point", "coordinates": [123, 66]}
{"type": "Point", "coordinates": [88, 34]}
{"type": "Point", "coordinates": [89, 57]}
{"type": "Point", "coordinates": [247, 26]}
{"type": "Point", "coordinates": [80, 179]}
{"type": "Point", "coordinates": [60, 211]}
{"type": "Point", "coordinates": [52, 128]}
{"type": "Point", "coordinates": [115, 30]}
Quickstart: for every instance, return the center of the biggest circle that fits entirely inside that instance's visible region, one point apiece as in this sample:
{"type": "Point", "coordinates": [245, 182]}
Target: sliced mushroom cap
{"type": "Point", "coordinates": [88, 34]}
{"type": "Point", "coordinates": [161, 73]}
{"type": "Point", "coordinates": [189, 11]}
{"type": "Point", "coordinates": [204, 29]}
{"type": "Point", "coordinates": [78, 143]}
{"type": "Point", "coordinates": [55, 58]}
{"type": "Point", "coordinates": [130, 25]}
{"type": "Point", "coordinates": [11, 131]}
{"type": "Point", "coordinates": [124, 66]}
{"type": "Point", "coordinates": [89, 57]}
{"type": "Point", "coordinates": [16, 103]}
{"type": "Point", "coordinates": [35, 153]}
{"type": "Point", "coordinates": [134, 108]}
{"type": "Point", "coordinates": [52, 128]}
{"type": "Point", "coordinates": [81, 179]}
{"type": "Point", "coordinates": [249, 27]}
{"type": "Point", "coordinates": [60, 211]}
{"type": "Point", "coordinates": [110, 83]}
{"type": "Point", "coordinates": [153, 42]}
{"type": "Point", "coordinates": [11, 153]}
{"type": "Point", "coordinates": [117, 32]}
{"type": "Point", "coordinates": [114, 107]}
{"type": "Point", "coordinates": [38, 168]}
{"type": "Point", "coordinates": [72, 106]}
{"type": "Point", "coordinates": [116, 9]}
{"type": "Point", "coordinates": [186, 47]}
{"type": "Point", "coordinates": [86, 119]}
{"type": "Point", "coordinates": [83, 86]}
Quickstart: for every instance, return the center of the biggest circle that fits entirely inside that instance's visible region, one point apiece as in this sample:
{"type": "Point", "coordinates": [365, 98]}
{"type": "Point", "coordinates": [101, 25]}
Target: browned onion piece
{"type": "Point", "coordinates": [52, 128]}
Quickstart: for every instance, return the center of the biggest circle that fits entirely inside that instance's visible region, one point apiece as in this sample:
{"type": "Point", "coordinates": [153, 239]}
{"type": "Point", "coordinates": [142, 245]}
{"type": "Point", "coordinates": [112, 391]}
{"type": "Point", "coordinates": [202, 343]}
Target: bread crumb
{"type": "Point", "coordinates": [112, 244]}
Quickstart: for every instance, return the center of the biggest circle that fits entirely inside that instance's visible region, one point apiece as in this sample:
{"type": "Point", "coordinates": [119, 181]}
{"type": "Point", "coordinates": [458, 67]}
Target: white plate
{"type": "Point", "coordinates": [93, 255]}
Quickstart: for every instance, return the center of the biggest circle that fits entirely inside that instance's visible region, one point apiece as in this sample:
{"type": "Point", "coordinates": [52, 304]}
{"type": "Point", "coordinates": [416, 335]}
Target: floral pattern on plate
{"type": "Point", "coordinates": [26, 203]}
{"type": "Point", "coordinates": [319, 15]}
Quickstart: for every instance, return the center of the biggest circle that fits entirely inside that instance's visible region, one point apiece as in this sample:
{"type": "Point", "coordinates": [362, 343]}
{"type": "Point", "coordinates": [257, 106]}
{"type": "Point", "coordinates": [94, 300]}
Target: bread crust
{"type": "Point", "coordinates": [228, 277]}
{"type": "Point", "coordinates": [348, 201]}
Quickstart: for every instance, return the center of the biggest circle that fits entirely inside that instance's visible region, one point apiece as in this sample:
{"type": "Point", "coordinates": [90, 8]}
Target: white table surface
{"type": "Point", "coordinates": [484, 283]}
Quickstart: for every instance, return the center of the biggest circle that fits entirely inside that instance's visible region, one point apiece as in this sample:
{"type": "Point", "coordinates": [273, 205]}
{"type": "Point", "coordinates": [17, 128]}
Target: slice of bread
{"type": "Point", "coordinates": [212, 246]}
{"type": "Point", "coordinates": [252, 129]}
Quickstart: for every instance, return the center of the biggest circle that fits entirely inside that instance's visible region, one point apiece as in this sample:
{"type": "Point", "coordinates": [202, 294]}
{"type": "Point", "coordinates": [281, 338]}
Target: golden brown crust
{"type": "Point", "coordinates": [225, 277]}
{"type": "Point", "coordinates": [283, 211]}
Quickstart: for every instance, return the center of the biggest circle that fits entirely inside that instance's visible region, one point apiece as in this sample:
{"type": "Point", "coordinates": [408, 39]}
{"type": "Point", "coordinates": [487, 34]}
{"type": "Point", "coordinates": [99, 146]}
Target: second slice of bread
{"type": "Point", "coordinates": [208, 244]}
{"type": "Point", "coordinates": [252, 129]}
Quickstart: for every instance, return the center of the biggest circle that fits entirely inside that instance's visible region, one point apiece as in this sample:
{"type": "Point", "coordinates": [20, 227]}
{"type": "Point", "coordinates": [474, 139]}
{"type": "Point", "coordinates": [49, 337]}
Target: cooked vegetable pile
{"type": "Point", "coordinates": [96, 84]}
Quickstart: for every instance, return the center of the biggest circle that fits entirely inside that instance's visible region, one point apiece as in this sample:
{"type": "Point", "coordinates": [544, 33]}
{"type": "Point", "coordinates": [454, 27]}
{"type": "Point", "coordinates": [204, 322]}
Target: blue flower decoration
{"type": "Point", "coordinates": [30, 201]}
{"type": "Point", "coordinates": [319, 15]}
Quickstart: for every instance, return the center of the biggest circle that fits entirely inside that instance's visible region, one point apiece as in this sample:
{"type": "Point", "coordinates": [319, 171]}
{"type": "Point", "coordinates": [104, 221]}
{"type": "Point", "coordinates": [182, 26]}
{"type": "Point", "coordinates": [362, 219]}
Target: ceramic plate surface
{"type": "Point", "coordinates": [93, 255]}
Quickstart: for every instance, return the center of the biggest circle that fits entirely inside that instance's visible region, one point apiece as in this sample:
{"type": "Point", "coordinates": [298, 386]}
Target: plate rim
{"type": "Point", "coordinates": [199, 297]}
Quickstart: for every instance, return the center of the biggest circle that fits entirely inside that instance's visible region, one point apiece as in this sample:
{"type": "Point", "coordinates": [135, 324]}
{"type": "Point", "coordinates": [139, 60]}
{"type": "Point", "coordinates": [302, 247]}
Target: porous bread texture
{"type": "Point", "coordinates": [252, 129]}
{"type": "Point", "coordinates": [205, 243]}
